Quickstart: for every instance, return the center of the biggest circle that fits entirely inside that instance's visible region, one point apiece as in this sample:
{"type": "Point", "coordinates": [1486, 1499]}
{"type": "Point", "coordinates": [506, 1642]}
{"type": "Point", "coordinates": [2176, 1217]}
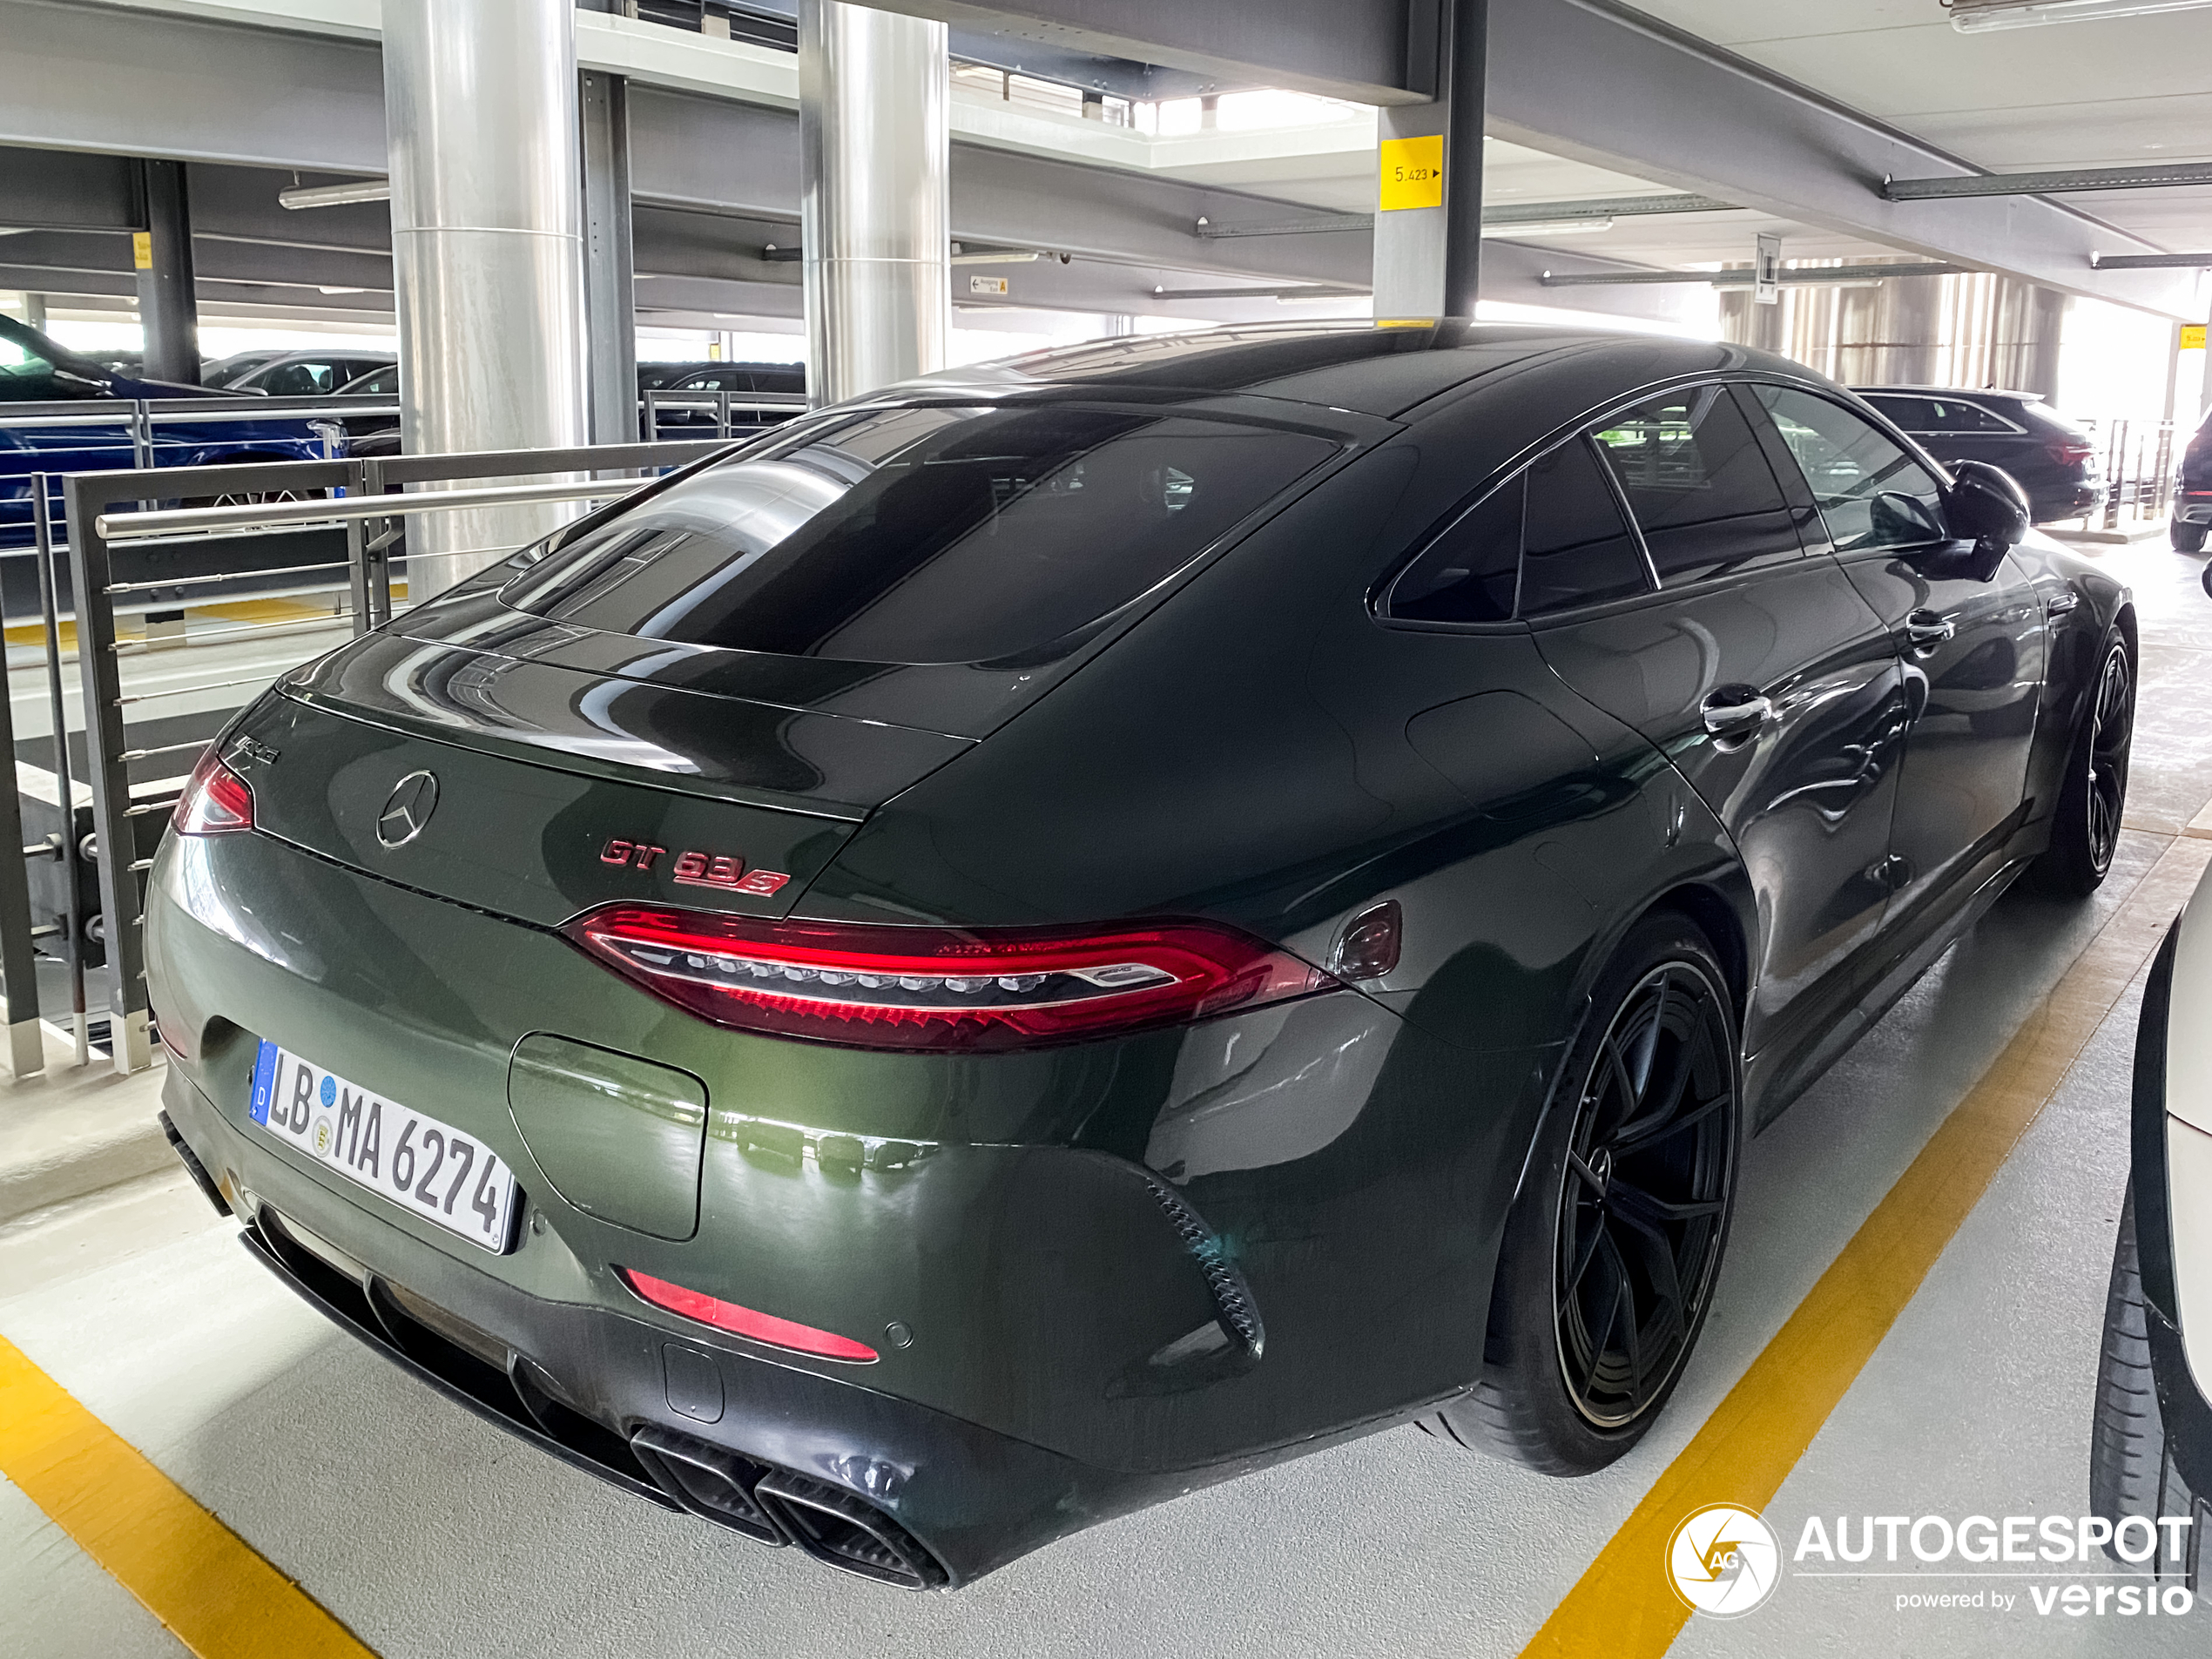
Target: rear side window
{"type": "Point", "coordinates": [1551, 539]}
{"type": "Point", "coordinates": [1697, 484]}
{"type": "Point", "coordinates": [1575, 548]}
{"type": "Point", "coordinates": [1872, 494]}
{"type": "Point", "coordinates": [929, 534]}
{"type": "Point", "coordinates": [1469, 573]}
{"type": "Point", "coordinates": [1933, 416]}
{"type": "Point", "coordinates": [1910, 414]}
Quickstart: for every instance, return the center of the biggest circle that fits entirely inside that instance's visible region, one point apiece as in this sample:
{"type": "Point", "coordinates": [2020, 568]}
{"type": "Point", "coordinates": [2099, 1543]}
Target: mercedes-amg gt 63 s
{"type": "Point", "coordinates": [1019, 946]}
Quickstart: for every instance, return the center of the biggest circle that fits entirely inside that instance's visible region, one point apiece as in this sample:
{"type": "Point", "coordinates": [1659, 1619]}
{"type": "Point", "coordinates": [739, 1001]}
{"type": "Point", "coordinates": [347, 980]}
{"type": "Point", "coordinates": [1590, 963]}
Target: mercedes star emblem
{"type": "Point", "coordinates": [407, 808]}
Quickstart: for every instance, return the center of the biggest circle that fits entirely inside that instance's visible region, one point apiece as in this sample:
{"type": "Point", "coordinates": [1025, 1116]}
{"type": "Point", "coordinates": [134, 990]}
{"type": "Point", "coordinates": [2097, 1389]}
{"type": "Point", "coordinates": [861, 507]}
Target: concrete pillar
{"type": "Point", "coordinates": [161, 256]}
{"type": "Point", "coordinates": [34, 311]}
{"type": "Point", "coordinates": [481, 119]}
{"type": "Point", "coordinates": [1428, 230]}
{"type": "Point", "coordinates": [610, 270]}
{"type": "Point", "coordinates": [2026, 331]}
{"type": "Point", "coordinates": [874, 214]}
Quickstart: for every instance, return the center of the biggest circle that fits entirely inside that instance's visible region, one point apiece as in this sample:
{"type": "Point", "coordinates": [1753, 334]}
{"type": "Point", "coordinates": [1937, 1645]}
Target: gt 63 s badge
{"type": "Point", "coordinates": [696, 869]}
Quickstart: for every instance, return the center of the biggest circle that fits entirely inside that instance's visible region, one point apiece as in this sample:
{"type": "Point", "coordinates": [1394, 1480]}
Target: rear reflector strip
{"type": "Point", "coordinates": [743, 1321]}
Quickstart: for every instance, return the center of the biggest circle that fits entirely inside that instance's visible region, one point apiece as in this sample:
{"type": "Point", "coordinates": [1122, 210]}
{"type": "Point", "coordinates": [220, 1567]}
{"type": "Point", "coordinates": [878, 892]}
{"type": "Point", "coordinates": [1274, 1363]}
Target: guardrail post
{"type": "Point", "coordinates": [378, 534]}
{"type": "Point", "coordinates": [357, 555]}
{"type": "Point", "coordinates": [18, 956]}
{"type": "Point", "coordinates": [65, 790]}
{"type": "Point", "coordinates": [122, 908]}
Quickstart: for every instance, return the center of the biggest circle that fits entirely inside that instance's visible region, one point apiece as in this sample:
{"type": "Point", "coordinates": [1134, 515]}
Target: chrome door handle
{"type": "Point", "coordinates": [1924, 629]}
{"type": "Point", "coordinates": [2061, 602]}
{"type": "Point", "coordinates": [1728, 717]}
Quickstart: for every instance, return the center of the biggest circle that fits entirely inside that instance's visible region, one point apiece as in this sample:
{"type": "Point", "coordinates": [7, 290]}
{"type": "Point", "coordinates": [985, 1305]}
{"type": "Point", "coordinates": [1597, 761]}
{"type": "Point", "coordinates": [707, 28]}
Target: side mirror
{"type": "Point", "coordinates": [1986, 505]}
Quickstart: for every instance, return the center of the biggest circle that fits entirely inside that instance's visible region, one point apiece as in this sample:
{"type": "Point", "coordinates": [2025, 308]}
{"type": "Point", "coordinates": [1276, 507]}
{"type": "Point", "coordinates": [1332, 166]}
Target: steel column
{"type": "Point", "coordinates": [480, 103]}
{"type": "Point", "coordinates": [609, 271]}
{"type": "Point", "coordinates": [1427, 259]}
{"type": "Point", "coordinates": [161, 255]}
{"type": "Point", "coordinates": [874, 210]}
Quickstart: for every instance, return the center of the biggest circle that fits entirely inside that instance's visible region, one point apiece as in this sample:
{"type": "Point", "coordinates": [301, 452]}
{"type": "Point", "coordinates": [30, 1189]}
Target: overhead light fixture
{"type": "Point", "coordinates": [1549, 227]}
{"type": "Point", "coordinates": [327, 289]}
{"type": "Point", "coordinates": [1977, 17]}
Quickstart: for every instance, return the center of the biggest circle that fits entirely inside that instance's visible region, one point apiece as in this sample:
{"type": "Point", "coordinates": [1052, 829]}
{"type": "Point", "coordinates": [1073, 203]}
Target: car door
{"type": "Point", "coordinates": [1972, 652]}
{"type": "Point", "coordinates": [1755, 667]}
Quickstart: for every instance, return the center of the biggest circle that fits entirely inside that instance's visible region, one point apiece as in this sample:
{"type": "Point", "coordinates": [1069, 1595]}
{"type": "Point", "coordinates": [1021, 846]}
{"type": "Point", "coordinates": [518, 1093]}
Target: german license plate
{"type": "Point", "coordinates": [428, 1168]}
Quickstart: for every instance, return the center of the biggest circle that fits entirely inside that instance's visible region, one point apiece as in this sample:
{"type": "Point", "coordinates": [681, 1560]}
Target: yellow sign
{"type": "Point", "coordinates": [142, 249]}
{"type": "Point", "coordinates": [2192, 336]}
{"type": "Point", "coordinates": [1412, 173]}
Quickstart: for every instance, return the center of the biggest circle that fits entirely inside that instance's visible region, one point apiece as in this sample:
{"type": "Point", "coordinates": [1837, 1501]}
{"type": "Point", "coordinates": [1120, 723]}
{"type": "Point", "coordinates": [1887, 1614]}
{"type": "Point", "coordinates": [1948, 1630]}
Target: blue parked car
{"type": "Point", "coordinates": [36, 371]}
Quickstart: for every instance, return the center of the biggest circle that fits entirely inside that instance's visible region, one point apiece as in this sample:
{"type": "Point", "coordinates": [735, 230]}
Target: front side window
{"type": "Point", "coordinates": [1697, 484]}
{"type": "Point", "coordinates": [920, 535]}
{"type": "Point", "coordinates": [1872, 494]}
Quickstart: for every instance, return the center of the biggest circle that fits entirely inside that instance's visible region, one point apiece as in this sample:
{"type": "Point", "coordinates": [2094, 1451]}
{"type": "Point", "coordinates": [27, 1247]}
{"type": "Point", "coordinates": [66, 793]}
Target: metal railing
{"type": "Point", "coordinates": [126, 820]}
{"type": "Point", "coordinates": [767, 408]}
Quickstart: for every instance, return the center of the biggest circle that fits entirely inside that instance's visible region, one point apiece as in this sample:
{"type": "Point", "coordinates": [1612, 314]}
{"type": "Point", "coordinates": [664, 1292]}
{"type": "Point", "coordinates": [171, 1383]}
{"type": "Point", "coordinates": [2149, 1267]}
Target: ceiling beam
{"type": "Point", "coordinates": [1811, 276]}
{"type": "Point", "coordinates": [1597, 81]}
{"type": "Point", "coordinates": [2165, 176]}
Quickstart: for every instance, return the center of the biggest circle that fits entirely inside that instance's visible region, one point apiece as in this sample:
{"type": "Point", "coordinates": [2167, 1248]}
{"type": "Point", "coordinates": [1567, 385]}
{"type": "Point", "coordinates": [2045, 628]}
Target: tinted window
{"type": "Point", "coordinates": [1872, 494]}
{"type": "Point", "coordinates": [385, 382]}
{"type": "Point", "coordinates": [1912, 414]}
{"type": "Point", "coordinates": [1697, 484]}
{"type": "Point", "coordinates": [1935, 415]}
{"type": "Point", "coordinates": [1468, 573]}
{"type": "Point", "coordinates": [297, 379]}
{"type": "Point", "coordinates": [1575, 548]}
{"type": "Point", "coordinates": [920, 535]}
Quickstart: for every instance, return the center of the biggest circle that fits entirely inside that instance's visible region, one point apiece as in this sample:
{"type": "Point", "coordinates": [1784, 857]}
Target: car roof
{"type": "Point", "coordinates": [1387, 369]}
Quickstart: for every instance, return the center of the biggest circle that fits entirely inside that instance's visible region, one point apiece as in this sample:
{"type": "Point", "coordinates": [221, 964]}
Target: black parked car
{"type": "Point", "coordinates": [2053, 459]}
{"type": "Point", "coordinates": [1046, 937]}
{"type": "Point", "coordinates": [2193, 493]}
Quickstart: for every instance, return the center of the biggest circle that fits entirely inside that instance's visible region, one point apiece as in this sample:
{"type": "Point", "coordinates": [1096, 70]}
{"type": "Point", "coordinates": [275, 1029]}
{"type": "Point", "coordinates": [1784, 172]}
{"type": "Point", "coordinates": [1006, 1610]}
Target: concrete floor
{"type": "Point", "coordinates": [429, 1533]}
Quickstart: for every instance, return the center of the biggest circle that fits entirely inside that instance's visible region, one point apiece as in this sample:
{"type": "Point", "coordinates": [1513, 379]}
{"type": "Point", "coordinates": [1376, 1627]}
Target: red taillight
{"type": "Point", "coordinates": [2071, 452]}
{"type": "Point", "coordinates": [216, 801]}
{"type": "Point", "coordinates": [745, 1322]}
{"type": "Point", "coordinates": [942, 988]}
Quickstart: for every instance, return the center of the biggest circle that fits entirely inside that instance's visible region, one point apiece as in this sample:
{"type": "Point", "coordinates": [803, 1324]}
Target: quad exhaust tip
{"type": "Point", "coordinates": [775, 1507]}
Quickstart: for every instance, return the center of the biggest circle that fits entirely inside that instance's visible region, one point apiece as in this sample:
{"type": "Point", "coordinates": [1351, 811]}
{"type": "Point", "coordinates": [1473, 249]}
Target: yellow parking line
{"type": "Point", "coordinates": [200, 1579]}
{"type": "Point", "coordinates": [1622, 1607]}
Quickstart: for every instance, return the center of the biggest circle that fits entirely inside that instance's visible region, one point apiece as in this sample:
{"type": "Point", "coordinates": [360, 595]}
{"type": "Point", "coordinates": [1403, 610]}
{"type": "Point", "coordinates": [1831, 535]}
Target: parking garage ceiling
{"type": "Point", "coordinates": [1775, 106]}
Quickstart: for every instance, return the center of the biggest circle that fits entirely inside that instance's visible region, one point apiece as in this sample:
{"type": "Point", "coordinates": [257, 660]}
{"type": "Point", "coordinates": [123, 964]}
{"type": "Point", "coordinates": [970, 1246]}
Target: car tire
{"type": "Point", "coordinates": [2131, 1470]}
{"type": "Point", "coordinates": [1552, 1395]}
{"type": "Point", "coordinates": [2085, 829]}
{"type": "Point", "coordinates": [2187, 538]}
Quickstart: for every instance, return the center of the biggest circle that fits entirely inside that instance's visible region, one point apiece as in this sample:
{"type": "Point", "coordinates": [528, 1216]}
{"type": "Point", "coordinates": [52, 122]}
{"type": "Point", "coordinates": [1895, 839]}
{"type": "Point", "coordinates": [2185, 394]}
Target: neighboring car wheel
{"type": "Point", "coordinates": [2131, 1472]}
{"type": "Point", "coordinates": [2085, 830]}
{"type": "Point", "coordinates": [2187, 538]}
{"type": "Point", "coordinates": [1613, 1247]}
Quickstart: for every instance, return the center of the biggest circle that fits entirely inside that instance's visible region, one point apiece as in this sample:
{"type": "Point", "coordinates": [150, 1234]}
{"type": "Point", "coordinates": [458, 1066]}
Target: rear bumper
{"type": "Point", "coordinates": [1056, 1343]}
{"type": "Point", "coordinates": [2194, 507]}
{"type": "Point", "coordinates": [582, 1382]}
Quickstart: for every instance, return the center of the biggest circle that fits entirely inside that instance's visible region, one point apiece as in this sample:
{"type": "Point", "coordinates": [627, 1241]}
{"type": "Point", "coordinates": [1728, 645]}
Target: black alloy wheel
{"type": "Point", "coordinates": [1645, 1192]}
{"type": "Point", "coordinates": [1614, 1244]}
{"type": "Point", "coordinates": [2112, 734]}
{"type": "Point", "coordinates": [2085, 826]}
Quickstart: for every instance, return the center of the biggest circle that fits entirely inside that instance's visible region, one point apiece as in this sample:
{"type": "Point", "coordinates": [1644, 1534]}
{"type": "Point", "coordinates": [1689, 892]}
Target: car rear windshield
{"type": "Point", "coordinates": [920, 535]}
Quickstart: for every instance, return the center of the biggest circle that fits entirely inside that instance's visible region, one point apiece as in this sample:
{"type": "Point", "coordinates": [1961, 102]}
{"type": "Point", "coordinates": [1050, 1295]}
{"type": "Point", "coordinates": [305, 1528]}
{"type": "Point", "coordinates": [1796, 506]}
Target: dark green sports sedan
{"type": "Point", "coordinates": [1017, 946]}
